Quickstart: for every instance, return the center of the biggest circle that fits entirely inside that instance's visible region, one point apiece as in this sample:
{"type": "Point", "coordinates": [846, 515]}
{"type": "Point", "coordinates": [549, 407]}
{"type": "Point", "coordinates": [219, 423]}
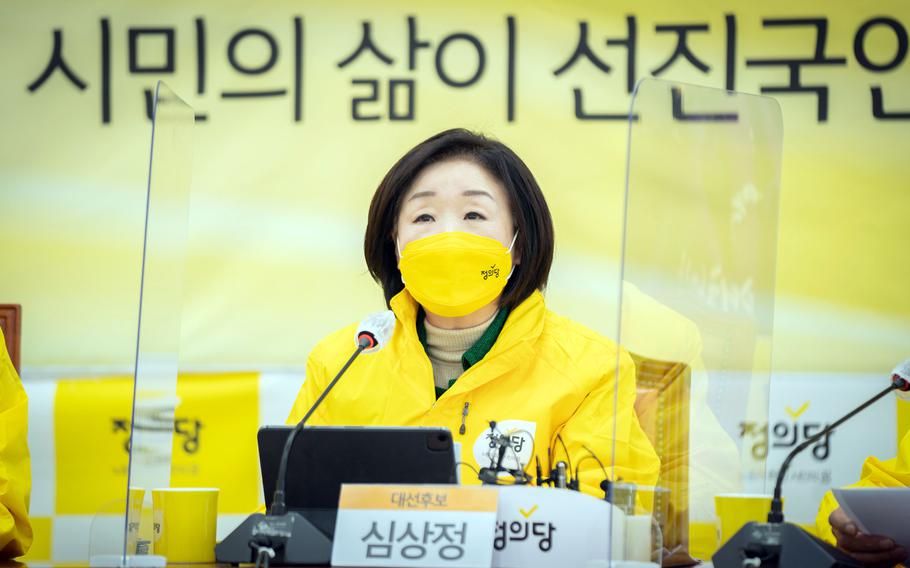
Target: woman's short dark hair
{"type": "Point", "coordinates": [530, 213]}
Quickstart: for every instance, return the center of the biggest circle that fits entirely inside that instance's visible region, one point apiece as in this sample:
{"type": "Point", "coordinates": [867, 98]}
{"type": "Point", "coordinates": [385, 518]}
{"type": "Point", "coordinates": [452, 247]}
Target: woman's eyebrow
{"type": "Point", "coordinates": [473, 192]}
{"type": "Point", "coordinates": [467, 193]}
{"type": "Point", "coordinates": [421, 194]}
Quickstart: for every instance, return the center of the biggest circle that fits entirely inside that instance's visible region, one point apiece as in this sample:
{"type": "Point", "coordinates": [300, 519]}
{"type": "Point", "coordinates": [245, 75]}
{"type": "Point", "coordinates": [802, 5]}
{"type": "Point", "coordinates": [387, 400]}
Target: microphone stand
{"type": "Point", "coordinates": [776, 514]}
{"type": "Point", "coordinates": [282, 537]}
{"type": "Point", "coordinates": [785, 545]}
{"type": "Point", "coordinates": [278, 499]}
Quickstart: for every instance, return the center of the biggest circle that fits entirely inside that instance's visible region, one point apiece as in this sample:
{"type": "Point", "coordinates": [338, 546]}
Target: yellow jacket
{"type": "Point", "coordinates": [876, 473]}
{"type": "Point", "coordinates": [544, 376]}
{"type": "Point", "coordinates": [15, 472]}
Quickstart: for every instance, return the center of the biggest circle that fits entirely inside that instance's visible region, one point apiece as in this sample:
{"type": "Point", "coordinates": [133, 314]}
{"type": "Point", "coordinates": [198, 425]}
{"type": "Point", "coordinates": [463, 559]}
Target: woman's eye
{"type": "Point", "coordinates": [423, 218]}
{"type": "Point", "coordinates": [474, 216]}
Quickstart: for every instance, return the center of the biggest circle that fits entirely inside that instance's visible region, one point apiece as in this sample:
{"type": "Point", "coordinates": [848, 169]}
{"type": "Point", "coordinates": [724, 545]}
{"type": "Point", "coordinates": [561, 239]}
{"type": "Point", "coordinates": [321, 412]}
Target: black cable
{"type": "Point", "coordinates": [539, 472]}
{"type": "Point", "coordinates": [474, 469]}
{"type": "Point", "coordinates": [550, 456]}
{"type": "Point", "coordinates": [517, 457]}
{"type": "Point", "coordinates": [604, 485]}
{"type": "Point", "coordinates": [593, 455]}
{"type": "Point", "coordinates": [581, 461]}
{"type": "Point", "coordinates": [489, 475]}
{"type": "Point", "coordinates": [568, 458]}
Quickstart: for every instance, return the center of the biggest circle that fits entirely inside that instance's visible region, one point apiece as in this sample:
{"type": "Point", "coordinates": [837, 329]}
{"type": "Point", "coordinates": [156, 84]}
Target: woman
{"type": "Point", "coordinates": [460, 238]}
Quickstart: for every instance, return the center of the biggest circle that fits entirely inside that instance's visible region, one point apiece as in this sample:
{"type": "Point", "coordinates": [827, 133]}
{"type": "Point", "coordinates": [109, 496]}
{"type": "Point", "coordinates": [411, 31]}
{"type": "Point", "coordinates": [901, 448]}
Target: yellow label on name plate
{"type": "Point", "coordinates": [420, 497]}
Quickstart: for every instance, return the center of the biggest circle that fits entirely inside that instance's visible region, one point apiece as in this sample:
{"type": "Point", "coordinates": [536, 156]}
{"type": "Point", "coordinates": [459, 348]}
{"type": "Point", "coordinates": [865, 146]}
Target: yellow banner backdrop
{"type": "Point", "coordinates": [302, 107]}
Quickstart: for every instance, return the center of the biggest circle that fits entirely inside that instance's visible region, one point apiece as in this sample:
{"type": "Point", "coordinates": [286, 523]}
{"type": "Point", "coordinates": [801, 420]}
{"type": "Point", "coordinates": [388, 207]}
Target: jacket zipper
{"type": "Point", "coordinates": [464, 417]}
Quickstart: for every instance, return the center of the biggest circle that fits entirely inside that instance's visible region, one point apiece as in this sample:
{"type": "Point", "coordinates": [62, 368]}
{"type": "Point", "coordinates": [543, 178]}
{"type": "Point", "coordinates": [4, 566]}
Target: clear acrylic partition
{"type": "Point", "coordinates": [697, 299]}
{"type": "Point", "coordinates": [157, 349]}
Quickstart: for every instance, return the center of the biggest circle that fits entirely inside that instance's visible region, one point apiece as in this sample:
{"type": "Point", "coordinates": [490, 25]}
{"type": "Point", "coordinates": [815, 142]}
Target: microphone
{"type": "Point", "coordinates": [777, 543]}
{"type": "Point", "coordinates": [378, 328]}
{"type": "Point", "coordinates": [372, 334]}
{"type": "Point", "coordinates": [289, 538]}
{"type": "Point", "coordinates": [901, 377]}
{"type": "Point", "coordinates": [561, 475]}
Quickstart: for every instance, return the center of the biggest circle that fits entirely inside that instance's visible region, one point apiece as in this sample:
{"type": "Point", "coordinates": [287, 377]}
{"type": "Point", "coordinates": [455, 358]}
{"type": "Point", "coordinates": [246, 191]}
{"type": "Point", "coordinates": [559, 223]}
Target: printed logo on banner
{"type": "Point", "coordinates": [807, 405]}
{"type": "Point", "coordinates": [786, 434]}
{"type": "Point", "coordinates": [92, 439]}
{"type": "Point", "coordinates": [521, 438]}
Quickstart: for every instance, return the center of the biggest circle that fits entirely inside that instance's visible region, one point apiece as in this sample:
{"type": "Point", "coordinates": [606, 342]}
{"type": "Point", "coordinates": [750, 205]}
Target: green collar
{"type": "Point", "coordinates": [483, 345]}
{"type": "Point", "coordinates": [477, 351]}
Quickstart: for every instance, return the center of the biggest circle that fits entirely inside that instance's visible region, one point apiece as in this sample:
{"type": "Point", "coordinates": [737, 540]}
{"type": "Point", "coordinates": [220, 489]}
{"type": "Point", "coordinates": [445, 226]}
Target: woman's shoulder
{"type": "Point", "coordinates": [579, 342]}
{"type": "Point", "coordinates": [335, 348]}
{"type": "Point", "coordinates": [569, 331]}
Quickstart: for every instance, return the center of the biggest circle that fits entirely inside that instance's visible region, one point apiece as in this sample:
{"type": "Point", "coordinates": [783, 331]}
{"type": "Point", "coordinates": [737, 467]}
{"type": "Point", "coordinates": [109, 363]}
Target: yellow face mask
{"type": "Point", "coordinates": [453, 274]}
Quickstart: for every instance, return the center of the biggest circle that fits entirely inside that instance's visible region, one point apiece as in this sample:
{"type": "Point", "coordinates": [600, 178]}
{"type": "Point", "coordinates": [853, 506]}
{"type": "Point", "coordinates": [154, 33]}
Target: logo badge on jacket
{"type": "Point", "coordinates": [520, 434]}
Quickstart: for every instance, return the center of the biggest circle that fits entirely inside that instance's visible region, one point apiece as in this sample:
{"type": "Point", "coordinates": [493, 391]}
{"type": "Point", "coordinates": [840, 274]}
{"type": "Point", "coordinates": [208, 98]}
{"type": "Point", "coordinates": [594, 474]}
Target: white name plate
{"type": "Point", "coordinates": [415, 525]}
{"type": "Point", "coordinates": [545, 527]}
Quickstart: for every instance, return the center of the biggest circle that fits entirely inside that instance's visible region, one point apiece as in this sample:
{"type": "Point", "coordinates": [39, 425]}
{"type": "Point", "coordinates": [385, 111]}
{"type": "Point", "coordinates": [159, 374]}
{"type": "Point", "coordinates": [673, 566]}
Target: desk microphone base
{"type": "Point", "coordinates": [294, 540]}
{"type": "Point", "coordinates": [779, 545]}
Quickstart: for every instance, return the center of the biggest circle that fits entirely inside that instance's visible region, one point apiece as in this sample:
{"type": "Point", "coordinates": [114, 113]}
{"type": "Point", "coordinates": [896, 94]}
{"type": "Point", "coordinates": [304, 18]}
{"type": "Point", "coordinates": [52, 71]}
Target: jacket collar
{"type": "Point", "coordinates": [513, 346]}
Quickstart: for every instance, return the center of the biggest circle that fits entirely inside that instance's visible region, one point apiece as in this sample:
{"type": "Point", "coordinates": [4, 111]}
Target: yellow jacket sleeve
{"type": "Point", "coordinates": [876, 473]}
{"type": "Point", "coordinates": [15, 471]}
{"type": "Point", "coordinates": [593, 427]}
{"type": "Point", "coordinates": [336, 347]}
{"type": "Point", "coordinates": [313, 384]}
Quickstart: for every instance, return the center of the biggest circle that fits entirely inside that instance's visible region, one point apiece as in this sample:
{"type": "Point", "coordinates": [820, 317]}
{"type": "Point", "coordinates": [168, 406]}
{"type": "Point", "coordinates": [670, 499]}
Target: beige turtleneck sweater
{"type": "Point", "coordinates": [446, 346]}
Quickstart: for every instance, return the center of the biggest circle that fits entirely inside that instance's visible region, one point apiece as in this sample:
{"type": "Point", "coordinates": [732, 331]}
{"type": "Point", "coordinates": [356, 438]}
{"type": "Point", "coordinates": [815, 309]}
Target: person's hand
{"type": "Point", "coordinates": [871, 550]}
